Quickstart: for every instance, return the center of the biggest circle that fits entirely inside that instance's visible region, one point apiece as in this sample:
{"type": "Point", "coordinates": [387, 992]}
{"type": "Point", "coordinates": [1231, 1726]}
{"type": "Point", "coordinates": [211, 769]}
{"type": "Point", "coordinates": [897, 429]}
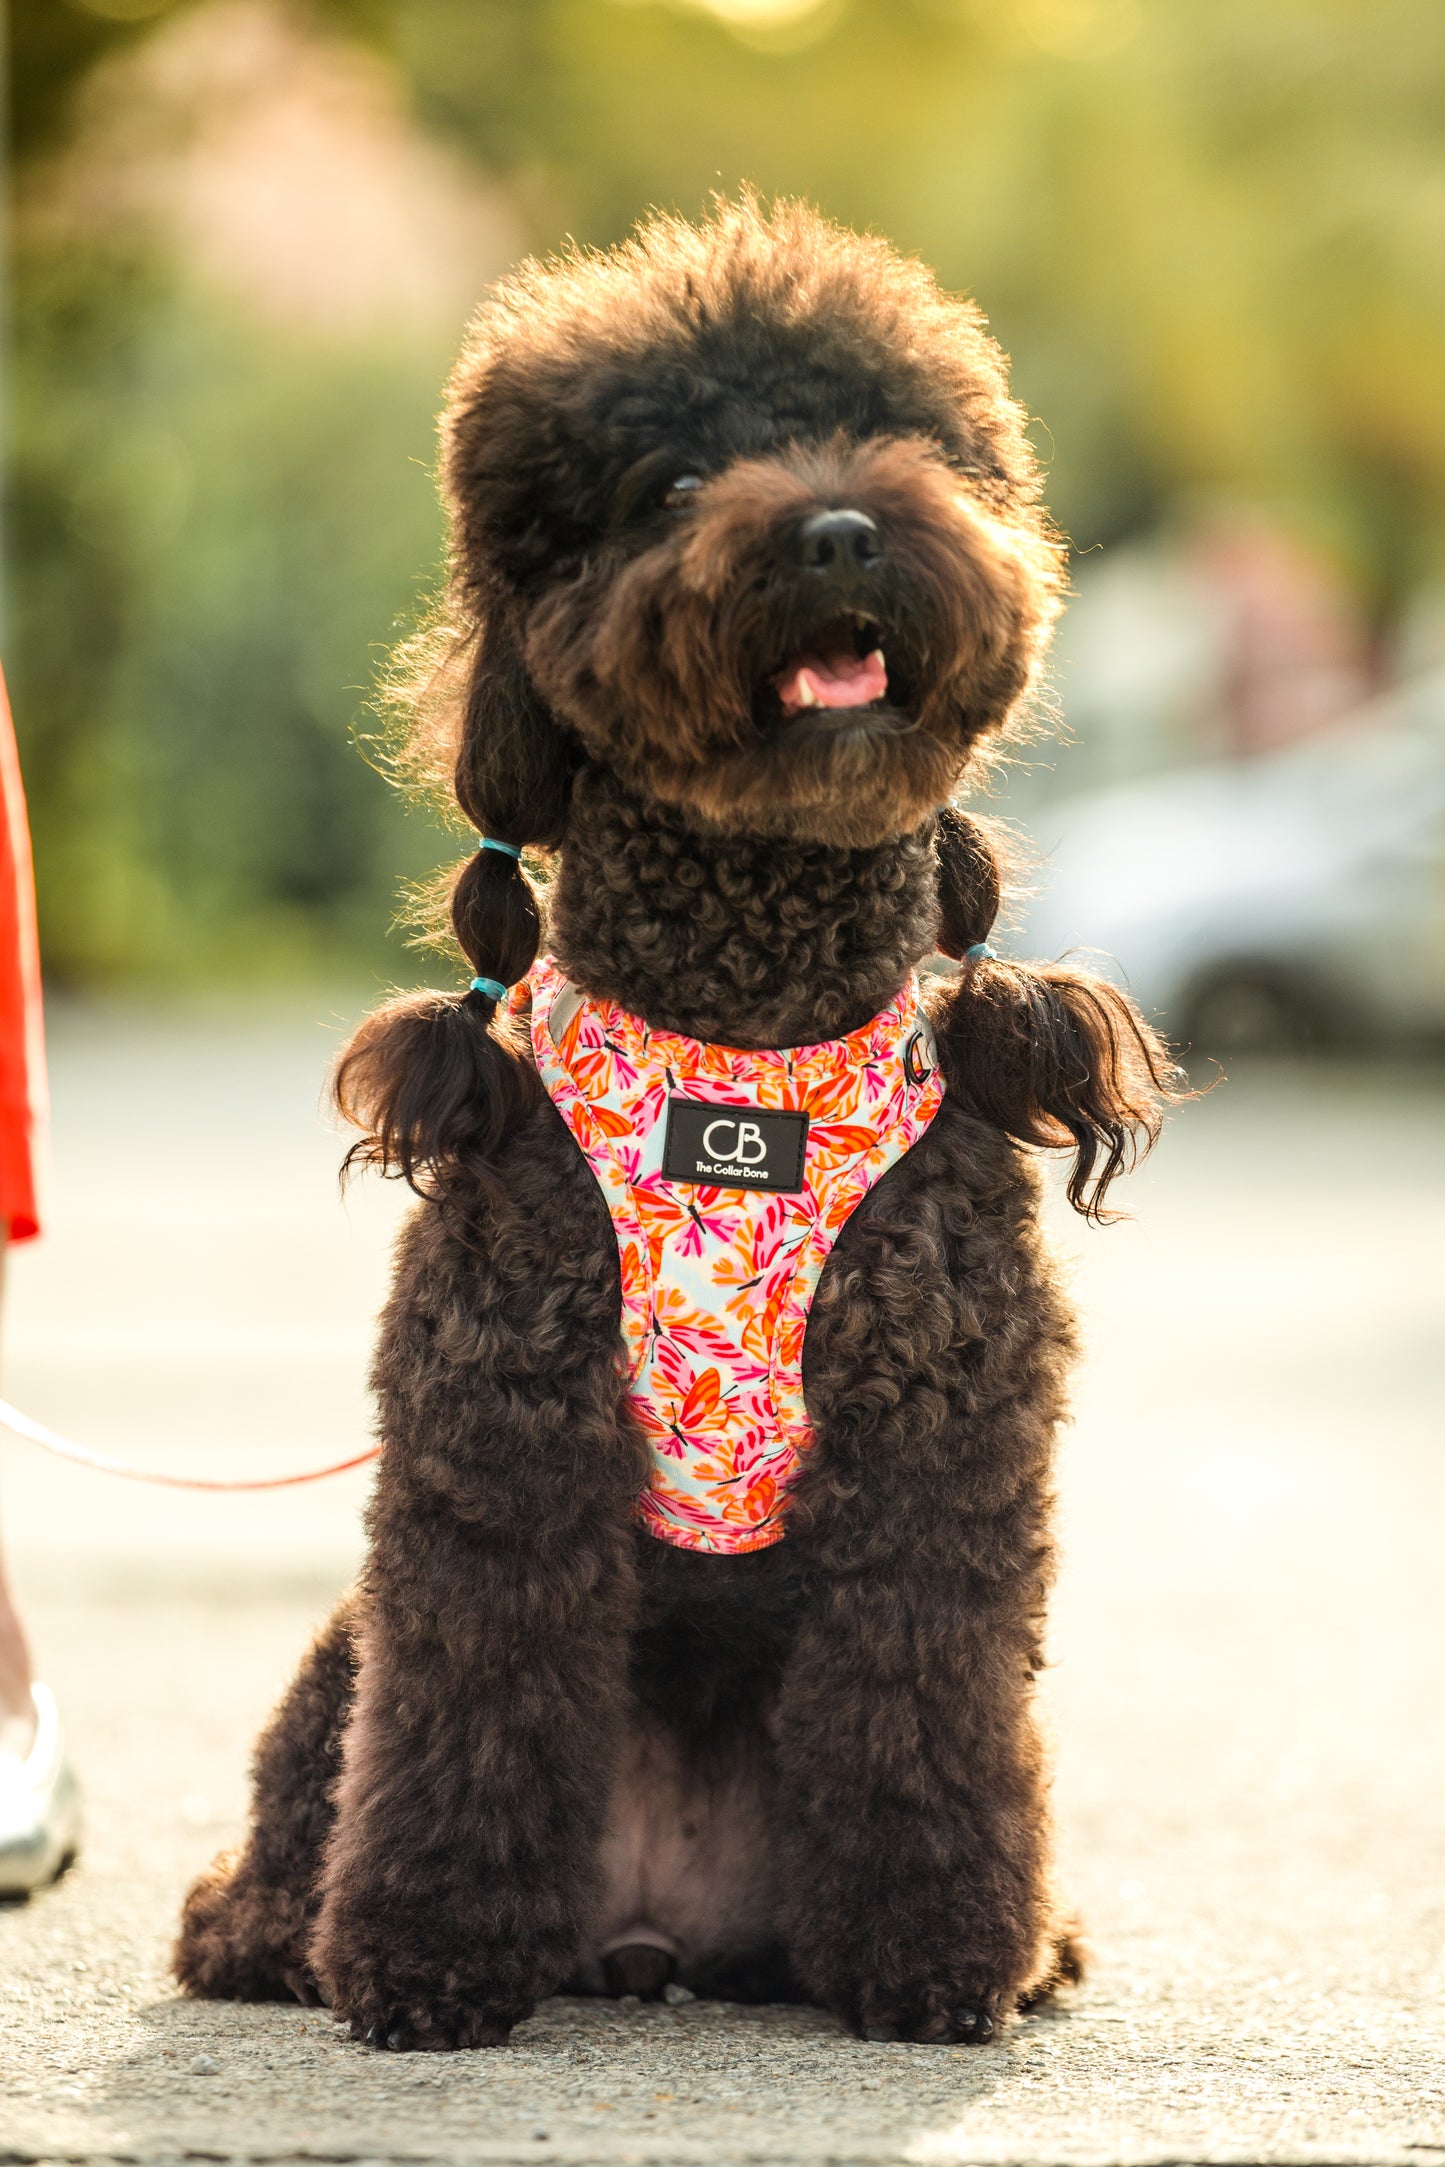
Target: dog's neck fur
{"type": "Point", "coordinates": [734, 939]}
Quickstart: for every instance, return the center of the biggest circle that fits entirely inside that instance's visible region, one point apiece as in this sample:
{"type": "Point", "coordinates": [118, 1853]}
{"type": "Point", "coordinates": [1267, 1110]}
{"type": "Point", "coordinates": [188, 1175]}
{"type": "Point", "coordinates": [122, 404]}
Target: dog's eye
{"type": "Point", "coordinates": [681, 492]}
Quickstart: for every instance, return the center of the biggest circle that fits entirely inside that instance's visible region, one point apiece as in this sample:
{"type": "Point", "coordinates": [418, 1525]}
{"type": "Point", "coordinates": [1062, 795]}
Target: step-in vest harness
{"type": "Point", "coordinates": [729, 1175]}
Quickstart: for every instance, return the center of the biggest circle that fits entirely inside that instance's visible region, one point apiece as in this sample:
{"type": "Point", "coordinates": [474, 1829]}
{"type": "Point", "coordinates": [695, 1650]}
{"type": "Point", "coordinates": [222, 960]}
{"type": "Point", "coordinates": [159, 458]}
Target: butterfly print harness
{"type": "Point", "coordinates": [729, 1176]}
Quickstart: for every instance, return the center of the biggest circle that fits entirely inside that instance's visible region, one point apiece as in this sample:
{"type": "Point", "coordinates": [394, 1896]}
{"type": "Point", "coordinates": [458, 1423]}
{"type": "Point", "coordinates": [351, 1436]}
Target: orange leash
{"type": "Point", "coordinates": [35, 1433]}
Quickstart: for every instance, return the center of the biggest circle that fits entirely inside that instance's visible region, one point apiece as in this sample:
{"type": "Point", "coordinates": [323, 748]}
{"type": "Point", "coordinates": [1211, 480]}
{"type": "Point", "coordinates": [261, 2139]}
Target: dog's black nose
{"type": "Point", "coordinates": [839, 546]}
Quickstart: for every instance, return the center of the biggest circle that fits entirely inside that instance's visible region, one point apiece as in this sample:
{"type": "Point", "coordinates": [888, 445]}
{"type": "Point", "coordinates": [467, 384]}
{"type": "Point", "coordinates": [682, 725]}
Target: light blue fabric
{"type": "Point", "coordinates": [490, 842]}
{"type": "Point", "coordinates": [979, 950]}
{"type": "Point", "coordinates": [492, 987]}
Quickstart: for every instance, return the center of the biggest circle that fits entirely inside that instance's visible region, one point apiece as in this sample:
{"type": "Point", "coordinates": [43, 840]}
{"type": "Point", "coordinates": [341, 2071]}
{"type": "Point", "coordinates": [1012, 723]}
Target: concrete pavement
{"type": "Point", "coordinates": [1249, 1688]}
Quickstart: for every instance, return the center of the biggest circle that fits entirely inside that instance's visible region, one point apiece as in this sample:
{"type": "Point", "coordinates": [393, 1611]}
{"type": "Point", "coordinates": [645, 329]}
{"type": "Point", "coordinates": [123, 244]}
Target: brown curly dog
{"type": "Point", "coordinates": [748, 563]}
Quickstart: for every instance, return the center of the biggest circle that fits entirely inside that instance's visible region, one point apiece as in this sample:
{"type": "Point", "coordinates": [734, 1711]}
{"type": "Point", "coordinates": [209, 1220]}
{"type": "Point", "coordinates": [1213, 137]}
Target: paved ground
{"type": "Point", "coordinates": [1249, 1689]}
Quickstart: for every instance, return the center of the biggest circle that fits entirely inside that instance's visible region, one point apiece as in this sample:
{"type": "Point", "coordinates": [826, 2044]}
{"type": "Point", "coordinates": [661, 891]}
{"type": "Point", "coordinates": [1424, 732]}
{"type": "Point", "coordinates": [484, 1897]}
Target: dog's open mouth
{"type": "Point", "coordinates": [841, 666]}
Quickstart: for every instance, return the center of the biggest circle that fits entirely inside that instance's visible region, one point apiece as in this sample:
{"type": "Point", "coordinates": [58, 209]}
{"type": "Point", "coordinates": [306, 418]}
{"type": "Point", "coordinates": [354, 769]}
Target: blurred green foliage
{"type": "Point", "coordinates": [212, 553]}
{"type": "Point", "coordinates": [1209, 231]}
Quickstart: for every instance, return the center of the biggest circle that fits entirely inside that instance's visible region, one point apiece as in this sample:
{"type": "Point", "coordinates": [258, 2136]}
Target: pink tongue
{"type": "Point", "coordinates": [835, 681]}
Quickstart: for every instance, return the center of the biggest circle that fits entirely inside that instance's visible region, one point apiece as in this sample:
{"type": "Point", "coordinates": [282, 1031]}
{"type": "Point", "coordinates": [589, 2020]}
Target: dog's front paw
{"type": "Point", "coordinates": [929, 2016]}
{"type": "Point", "coordinates": [442, 2028]}
{"type": "Point", "coordinates": [415, 2016]}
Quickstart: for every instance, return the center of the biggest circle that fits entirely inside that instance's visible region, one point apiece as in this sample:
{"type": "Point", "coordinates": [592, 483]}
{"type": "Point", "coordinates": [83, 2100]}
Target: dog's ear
{"type": "Point", "coordinates": [436, 1081]}
{"type": "Point", "coordinates": [1052, 1055]}
{"type": "Point", "coordinates": [515, 762]}
{"type": "Point", "coordinates": [513, 781]}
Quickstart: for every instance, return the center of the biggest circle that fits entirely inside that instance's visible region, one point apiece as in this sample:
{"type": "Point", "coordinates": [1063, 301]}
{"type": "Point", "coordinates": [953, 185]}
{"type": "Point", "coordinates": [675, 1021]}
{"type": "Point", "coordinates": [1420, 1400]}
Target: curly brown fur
{"type": "Point", "coordinates": [735, 937]}
{"type": "Point", "coordinates": [935, 1362]}
{"type": "Point", "coordinates": [672, 472]}
{"type": "Point", "coordinates": [247, 1922]}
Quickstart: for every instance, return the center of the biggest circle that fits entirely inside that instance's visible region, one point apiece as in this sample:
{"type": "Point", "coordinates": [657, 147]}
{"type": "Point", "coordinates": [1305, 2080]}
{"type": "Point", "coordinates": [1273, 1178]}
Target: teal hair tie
{"type": "Point", "coordinates": [492, 842]}
{"type": "Point", "coordinates": [492, 987]}
{"type": "Point", "coordinates": [979, 950]}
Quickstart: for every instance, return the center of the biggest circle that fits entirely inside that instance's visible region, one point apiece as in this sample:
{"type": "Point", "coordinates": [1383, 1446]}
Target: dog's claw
{"type": "Point", "coordinates": [928, 2018]}
{"type": "Point", "coordinates": [443, 2030]}
{"type": "Point", "coordinates": [388, 2037]}
{"type": "Point", "coordinates": [975, 2026]}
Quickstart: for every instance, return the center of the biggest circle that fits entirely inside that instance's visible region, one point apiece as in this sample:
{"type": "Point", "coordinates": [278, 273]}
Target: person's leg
{"type": "Point", "coordinates": [39, 1801]}
{"type": "Point", "coordinates": [37, 1791]}
{"type": "Point", "coordinates": [17, 1709]}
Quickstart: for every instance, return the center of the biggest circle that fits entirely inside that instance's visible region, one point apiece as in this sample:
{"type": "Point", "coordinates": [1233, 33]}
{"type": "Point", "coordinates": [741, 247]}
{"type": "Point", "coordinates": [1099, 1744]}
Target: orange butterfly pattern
{"type": "Point", "coordinates": [716, 1281]}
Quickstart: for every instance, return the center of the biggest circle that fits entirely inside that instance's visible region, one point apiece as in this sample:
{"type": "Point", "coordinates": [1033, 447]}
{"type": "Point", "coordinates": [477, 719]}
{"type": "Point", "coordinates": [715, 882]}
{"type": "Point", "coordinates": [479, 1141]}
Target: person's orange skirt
{"type": "Point", "coordinates": [22, 1040]}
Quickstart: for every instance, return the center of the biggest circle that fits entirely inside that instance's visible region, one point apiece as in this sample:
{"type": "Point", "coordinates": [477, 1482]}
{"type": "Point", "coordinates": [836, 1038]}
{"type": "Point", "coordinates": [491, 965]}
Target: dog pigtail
{"type": "Point", "coordinates": [437, 1081]}
{"type": "Point", "coordinates": [1054, 1056]}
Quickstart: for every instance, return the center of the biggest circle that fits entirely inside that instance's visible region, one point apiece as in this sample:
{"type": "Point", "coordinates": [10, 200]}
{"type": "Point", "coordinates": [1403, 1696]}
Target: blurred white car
{"type": "Point", "coordinates": [1290, 899]}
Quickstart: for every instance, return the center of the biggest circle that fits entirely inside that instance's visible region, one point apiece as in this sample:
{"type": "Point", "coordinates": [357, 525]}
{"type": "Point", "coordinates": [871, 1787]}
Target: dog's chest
{"type": "Point", "coordinates": [728, 1176]}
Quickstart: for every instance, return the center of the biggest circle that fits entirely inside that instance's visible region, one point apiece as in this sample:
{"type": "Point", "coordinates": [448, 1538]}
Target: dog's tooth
{"type": "Point", "coordinates": [876, 656]}
{"type": "Point", "coordinates": [806, 696]}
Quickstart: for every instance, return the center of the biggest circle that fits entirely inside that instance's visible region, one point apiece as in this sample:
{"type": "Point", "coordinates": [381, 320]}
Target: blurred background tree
{"type": "Point", "coordinates": [247, 234]}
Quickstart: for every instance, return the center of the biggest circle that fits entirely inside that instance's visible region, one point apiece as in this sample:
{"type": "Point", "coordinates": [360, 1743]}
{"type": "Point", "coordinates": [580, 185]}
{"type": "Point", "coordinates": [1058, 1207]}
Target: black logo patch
{"type": "Point", "coordinates": [915, 1060]}
{"type": "Point", "coordinates": [734, 1147]}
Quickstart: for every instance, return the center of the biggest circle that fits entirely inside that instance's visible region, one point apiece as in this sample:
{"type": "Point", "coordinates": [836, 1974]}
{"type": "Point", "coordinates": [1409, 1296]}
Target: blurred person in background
{"type": "Point", "coordinates": [39, 1802]}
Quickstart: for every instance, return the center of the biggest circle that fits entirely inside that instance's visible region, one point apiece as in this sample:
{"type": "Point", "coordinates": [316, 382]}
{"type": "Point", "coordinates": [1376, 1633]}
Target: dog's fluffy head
{"type": "Point", "coordinates": [745, 533]}
{"type": "Point", "coordinates": [745, 513]}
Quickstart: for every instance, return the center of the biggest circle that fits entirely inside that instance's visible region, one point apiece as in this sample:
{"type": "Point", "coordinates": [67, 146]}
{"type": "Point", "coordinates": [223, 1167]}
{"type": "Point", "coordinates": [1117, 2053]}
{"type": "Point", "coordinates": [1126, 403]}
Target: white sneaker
{"type": "Point", "coordinates": [39, 1805]}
